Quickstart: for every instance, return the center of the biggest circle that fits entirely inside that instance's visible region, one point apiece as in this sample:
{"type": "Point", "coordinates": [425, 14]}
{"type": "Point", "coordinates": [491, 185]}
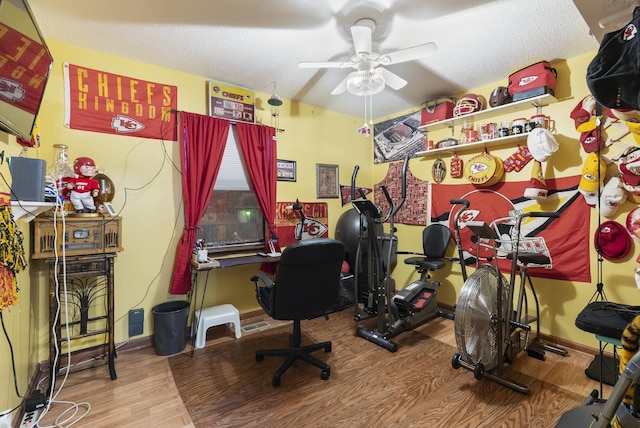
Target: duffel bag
{"type": "Point", "coordinates": [533, 80]}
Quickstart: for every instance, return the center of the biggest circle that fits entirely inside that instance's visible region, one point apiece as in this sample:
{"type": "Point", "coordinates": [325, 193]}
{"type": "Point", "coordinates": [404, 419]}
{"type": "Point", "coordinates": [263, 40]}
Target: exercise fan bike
{"type": "Point", "coordinates": [490, 330]}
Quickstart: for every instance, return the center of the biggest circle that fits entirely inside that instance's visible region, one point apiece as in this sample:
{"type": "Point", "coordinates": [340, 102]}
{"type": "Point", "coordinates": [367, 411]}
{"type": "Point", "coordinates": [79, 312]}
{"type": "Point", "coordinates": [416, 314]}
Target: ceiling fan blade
{"type": "Point", "coordinates": [342, 86]}
{"type": "Point", "coordinates": [326, 64]}
{"type": "Point", "coordinates": [391, 79]}
{"type": "Point", "coordinates": [409, 54]}
{"type": "Point", "coordinates": [361, 39]}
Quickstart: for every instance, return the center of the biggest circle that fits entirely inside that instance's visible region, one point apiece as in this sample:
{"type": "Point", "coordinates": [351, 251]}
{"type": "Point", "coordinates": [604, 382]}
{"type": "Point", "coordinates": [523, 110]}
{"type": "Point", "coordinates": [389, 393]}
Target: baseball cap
{"type": "Point", "coordinates": [613, 82]}
{"type": "Point", "coordinates": [629, 166]}
{"type": "Point", "coordinates": [589, 182]}
{"type": "Point", "coordinates": [541, 144]}
{"type": "Point", "coordinates": [591, 141]}
{"type": "Point", "coordinates": [633, 223]}
{"type": "Point", "coordinates": [583, 111]}
{"type": "Point", "coordinates": [612, 240]}
{"type": "Point", "coordinates": [634, 129]}
{"type": "Point", "coordinates": [613, 195]}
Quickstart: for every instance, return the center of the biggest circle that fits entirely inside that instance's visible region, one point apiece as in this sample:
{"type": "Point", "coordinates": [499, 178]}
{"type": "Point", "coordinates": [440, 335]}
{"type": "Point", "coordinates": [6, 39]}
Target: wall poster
{"type": "Point", "coordinates": [231, 102]}
{"type": "Point", "coordinates": [396, 138]}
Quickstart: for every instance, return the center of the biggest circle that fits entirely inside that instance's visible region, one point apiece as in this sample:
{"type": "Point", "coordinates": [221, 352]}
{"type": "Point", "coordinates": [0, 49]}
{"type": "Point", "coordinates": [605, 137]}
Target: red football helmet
{"type": "Point", "coordinates": [469, 103]}
{"type": "Point", "coordinates": [80, 162]}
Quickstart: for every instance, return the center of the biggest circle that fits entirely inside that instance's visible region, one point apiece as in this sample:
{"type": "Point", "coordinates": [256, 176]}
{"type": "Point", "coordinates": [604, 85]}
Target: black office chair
{"type": "Point", "coordinates": [306, 285]}
{"type": "Point", "coordinates": [435, 240]}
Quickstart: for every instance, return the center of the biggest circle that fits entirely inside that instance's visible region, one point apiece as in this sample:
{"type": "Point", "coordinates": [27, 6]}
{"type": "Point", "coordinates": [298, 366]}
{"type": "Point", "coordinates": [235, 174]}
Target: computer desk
{"type": "Point", "coordinates": [226, 262]}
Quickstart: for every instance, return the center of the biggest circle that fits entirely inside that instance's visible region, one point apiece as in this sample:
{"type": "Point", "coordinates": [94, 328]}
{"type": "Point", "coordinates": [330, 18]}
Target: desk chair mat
{"type": "Point", "coordinates": [606, 319]}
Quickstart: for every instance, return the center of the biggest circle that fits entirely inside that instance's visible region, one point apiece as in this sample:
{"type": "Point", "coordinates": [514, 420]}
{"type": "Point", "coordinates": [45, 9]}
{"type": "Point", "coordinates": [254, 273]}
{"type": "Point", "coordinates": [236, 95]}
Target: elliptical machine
{"type": "Point", "coordinates": [409, 307]}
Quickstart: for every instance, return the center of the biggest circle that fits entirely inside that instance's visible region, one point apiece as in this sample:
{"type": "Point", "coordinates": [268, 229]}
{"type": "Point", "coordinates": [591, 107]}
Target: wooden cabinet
{"type": "Point", "coordinates": [483, 115]}
{"type": "Point", "coordinates": [76, 235]}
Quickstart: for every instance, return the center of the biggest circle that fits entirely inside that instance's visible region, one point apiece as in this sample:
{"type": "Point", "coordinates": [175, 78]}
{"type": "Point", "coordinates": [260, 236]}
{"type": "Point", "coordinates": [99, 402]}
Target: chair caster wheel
{"type": "Point", "coordinates": [275, 381]}
{"type": "Point", "coordinates": [324, 374]}
{"type": "Point", "coordinates": [455, 361]}
{"type": "Point", "coordinates": [259, 358]}
{"type": "Point", "coordinates": [478, 371]}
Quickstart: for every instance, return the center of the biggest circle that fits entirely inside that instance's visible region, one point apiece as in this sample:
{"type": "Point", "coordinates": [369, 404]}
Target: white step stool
{"type": "Point", "coordinates": [215, 315]}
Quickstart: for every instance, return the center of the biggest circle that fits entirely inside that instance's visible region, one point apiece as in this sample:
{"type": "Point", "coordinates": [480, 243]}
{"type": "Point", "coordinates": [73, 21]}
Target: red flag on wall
{"type": "Point", "coordinates": [21, 86]}
{"type": "Point", "coordinates": [104, 102]}
{"type": "Point", "coordinates": [565, 239]}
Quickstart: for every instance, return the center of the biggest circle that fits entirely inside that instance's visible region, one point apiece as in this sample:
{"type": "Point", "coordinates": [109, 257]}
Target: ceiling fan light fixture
{"type": "Point", "coordinates": [365, 83]}
{"type": "Point", "coordinates": [275, 99]}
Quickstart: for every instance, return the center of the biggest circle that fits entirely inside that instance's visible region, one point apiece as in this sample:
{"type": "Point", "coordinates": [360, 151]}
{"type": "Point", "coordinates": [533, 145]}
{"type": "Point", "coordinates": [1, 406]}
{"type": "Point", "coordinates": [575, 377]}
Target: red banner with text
{"type": "Point", "coordinates": [21, 86]}
{"type": "Point", "coordinates": [104, 102]}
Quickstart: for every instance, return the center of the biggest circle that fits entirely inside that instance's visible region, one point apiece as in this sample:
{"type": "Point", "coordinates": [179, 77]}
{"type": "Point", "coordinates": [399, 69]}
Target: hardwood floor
{"type": "Point", "coordinates": [222, 385]}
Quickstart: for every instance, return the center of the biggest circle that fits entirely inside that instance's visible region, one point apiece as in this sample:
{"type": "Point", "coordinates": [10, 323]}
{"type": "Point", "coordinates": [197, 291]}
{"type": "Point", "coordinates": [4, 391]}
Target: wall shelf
{"type": "Point", "coordinates": [29, 209]}
{"type": "Point", "coordinates": [477, 146]}
{"type": "Point", "coordinates": [516, 106]}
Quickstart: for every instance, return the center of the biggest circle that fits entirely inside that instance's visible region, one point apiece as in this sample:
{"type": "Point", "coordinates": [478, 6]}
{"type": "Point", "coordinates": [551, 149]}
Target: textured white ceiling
{"type": "Point", "coordinates": [252, 43]}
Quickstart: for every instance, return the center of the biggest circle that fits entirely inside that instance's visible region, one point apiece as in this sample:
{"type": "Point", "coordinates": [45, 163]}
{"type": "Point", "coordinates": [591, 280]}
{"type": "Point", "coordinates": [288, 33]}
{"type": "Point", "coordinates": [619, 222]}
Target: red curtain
{"type": "Point", "coordinates": [258, 145]}
{"type": "Point", "coordinates": [203, 141]}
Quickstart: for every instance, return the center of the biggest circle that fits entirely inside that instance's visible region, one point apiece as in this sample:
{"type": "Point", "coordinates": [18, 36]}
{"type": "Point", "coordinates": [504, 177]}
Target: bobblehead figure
{"type": "Point", "coordinates": [83, 188]}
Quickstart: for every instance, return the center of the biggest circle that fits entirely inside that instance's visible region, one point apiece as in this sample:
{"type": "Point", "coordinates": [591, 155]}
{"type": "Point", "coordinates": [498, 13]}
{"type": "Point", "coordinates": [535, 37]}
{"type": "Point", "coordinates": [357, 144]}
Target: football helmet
{"type": "Point", "coordinates": [468, 103]}
{"type": "Point", "coordinates": [80, 162]}
{"type": "Point", "coordinates": [499, 96]}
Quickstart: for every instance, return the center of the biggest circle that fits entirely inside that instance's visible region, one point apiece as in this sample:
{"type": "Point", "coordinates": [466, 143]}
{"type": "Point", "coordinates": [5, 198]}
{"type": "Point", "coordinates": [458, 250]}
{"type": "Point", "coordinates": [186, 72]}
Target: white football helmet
{"type": "Point", "coordinates": [468, 103]}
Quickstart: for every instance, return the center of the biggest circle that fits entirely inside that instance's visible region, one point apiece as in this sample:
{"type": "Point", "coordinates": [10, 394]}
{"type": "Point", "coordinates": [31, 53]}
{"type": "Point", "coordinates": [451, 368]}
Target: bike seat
{"type": "Point", "coordinates": [425, 263]}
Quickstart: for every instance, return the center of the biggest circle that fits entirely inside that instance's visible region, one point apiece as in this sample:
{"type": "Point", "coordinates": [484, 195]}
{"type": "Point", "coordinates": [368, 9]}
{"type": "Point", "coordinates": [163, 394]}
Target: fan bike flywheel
{"type": "Point", "coordinates": [476, 318]}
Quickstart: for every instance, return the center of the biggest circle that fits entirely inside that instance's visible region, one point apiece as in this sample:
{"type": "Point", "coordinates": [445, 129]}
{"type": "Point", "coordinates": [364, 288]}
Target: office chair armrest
{"type": "Point", "coordinates": [260, 277]}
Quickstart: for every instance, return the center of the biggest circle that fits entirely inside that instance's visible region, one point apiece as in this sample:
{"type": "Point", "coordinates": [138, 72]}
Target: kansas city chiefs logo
{"type": "Point", "coordinates": [311, 228]}
{"type": "Point", "coordinates": [629, 32]}
{"type": "Point", "coordinates": [478, 167]}
{"type": "Point", "coordinates": [125, 124]}
{"type": "Point", "coordinates": [527, 80]}
{"type": "Point", "coordinates": [11, 90]}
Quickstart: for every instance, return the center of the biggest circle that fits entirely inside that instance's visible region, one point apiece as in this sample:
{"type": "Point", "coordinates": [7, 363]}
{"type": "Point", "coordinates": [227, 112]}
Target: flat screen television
{"type": "Point", "coordinates": [25, 64]}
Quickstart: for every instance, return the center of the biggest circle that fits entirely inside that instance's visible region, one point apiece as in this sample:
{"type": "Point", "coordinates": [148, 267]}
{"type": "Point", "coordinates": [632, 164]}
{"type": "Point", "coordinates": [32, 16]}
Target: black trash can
{"type": "Point", "coordinates": [170, 327]}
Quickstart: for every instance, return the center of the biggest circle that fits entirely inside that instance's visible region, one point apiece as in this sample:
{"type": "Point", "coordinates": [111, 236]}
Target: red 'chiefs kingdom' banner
{"type": "Point", "coordinates": [21, 86]}
{"type": "Point", "coordinates": [565, 240]}
{"type": "Point", "coordinates": [113, 104]}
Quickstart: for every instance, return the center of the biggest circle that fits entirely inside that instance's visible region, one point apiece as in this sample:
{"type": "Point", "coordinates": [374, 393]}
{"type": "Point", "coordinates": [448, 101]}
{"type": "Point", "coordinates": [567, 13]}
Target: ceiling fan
{"type": "Point", "coordinates": [369, 78]}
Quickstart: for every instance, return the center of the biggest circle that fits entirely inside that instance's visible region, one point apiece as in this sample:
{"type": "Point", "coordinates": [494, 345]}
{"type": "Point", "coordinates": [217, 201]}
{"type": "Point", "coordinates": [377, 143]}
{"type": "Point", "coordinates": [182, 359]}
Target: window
{"type": "Point", "coordinates": [233, 221]}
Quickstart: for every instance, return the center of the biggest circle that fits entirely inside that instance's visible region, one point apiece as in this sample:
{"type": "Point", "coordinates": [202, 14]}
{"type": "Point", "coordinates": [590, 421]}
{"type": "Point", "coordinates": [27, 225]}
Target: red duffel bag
{"type": "Point", "coordinates": [534, 80]}
{"type": "Point", "coordinates": [436, 110]}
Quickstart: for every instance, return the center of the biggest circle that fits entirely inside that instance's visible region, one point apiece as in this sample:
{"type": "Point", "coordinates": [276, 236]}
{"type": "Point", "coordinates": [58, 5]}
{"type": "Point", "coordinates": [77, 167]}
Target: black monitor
{"type": "Point", "coordinates": [24, 68]}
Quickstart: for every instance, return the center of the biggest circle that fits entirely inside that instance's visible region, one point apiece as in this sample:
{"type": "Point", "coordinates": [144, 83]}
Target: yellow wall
{"type": "Point", "coordinates": [148, 191]}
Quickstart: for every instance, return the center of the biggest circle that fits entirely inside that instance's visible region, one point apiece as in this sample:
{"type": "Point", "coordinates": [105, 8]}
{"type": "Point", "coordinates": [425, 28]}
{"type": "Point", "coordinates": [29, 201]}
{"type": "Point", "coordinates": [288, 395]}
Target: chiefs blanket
{"type": "Point", "coordinates": [565, 240]}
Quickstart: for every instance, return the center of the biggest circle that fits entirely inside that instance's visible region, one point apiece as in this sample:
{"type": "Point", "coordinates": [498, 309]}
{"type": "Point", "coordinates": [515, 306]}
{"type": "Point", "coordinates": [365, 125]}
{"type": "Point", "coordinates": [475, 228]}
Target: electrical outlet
{"type": "Point", "coordinates": [5, 421]}
{"type": "Point", "coordinates": [29, 419]}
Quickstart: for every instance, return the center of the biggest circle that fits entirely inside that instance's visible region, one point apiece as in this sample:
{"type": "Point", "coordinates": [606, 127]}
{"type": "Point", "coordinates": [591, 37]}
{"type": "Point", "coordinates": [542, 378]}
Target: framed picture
{"type": "Point", "coordinates": [286, 170]}
{"type": "Point", "coordinates": [327, 181]}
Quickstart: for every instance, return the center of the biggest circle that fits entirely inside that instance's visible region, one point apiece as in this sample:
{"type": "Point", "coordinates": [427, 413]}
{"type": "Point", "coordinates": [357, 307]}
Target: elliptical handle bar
{"type": "Point", "coordinates": [403, 187]}
{"type": "Point", "coordinates": [353, 182]}
{"type": "Point", "coordinates": [391, 210]}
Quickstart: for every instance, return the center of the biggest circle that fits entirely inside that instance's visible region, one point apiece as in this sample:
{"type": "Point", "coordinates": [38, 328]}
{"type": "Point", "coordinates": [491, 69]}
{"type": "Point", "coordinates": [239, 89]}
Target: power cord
{"type": "Point", "coordinates": [13, 363]}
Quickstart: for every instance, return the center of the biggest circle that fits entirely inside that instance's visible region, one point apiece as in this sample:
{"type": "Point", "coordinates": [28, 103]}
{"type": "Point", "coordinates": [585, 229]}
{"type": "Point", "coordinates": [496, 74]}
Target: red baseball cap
{"type": "Point", "coordinates": [612, 240]}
